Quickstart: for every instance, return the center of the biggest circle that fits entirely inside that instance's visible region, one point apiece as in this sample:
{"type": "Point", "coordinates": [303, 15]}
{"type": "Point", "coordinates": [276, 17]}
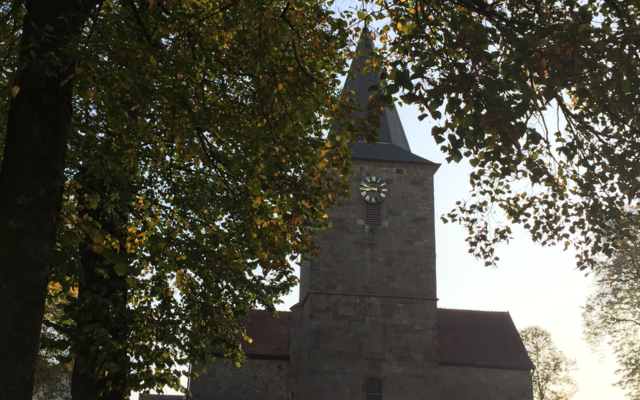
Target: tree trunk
{"type": "Point", "coordinates": [104, 295]}
{"type": "Point", "coordinates": [31, 184]}
{"type": "Point", "coordinates": [101, 306]}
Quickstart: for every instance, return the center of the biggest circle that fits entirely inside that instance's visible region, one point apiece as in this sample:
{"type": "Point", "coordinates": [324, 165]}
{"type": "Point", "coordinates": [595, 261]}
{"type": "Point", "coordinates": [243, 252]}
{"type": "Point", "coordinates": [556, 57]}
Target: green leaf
{"type": "Point", "coordinates": [120, 269]}
{"type": "Point", "coordinates": [625, 86]}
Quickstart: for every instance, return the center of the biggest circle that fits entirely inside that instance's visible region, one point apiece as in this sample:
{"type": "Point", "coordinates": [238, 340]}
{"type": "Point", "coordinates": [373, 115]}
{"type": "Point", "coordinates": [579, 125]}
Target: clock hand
{"type": "Point", "coordinates": [366, 187]}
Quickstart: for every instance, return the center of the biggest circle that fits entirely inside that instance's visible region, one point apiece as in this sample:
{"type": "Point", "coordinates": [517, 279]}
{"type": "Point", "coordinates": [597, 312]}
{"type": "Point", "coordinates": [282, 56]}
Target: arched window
{"type": "Point", "coordinates": [373, 389]}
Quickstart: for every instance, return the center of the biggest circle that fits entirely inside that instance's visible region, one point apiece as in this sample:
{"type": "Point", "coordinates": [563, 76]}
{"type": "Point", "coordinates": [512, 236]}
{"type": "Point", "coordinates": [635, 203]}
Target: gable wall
{"type": "Point", "coordinates": [256, 380]}
{"type": "Point", "coordinates": [467, 383]}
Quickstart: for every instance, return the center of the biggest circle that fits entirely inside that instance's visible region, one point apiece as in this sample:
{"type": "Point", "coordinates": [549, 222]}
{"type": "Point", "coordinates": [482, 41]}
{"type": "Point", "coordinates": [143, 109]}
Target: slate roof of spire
{"type": "Point", "coordinates": [466, 338]}
{"type": "Point", "coordinates": [393, 145]}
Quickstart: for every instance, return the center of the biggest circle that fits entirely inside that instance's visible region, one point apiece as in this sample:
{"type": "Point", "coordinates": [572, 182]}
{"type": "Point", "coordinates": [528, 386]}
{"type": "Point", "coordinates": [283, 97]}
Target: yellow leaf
{"type": "Point", "coordinates": [79, 70]}
{"type": "Point", "coordinates": [15, 90]}
{"type": "Point", "coordinates": [280, 86]}
{"type": "Point", "coordinates": [54, 288]}
{"type": "Point", "coordinates": [69, 366]}
{"type": "Point", "coordinates": [98, 249]}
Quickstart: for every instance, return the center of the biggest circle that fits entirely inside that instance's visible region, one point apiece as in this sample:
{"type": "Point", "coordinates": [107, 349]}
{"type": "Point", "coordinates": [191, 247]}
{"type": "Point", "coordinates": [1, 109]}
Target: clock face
{"type": "Point", "coordinates": [373, 189]}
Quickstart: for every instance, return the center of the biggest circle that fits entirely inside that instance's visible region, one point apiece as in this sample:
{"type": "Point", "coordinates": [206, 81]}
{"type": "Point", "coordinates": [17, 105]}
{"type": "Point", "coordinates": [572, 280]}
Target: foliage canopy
{"type": "Point", "coordinates": [494, 76]}
{"type": "Point", "coordinates": [197, 168]}
{"type": "Point", "coordinates": [197, 161]}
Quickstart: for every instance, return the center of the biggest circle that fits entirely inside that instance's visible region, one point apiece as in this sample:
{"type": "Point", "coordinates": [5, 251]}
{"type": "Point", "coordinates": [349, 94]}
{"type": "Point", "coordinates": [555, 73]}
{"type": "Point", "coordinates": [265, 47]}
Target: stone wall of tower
{"type": "Point", "coordinates": [368, 300]}
{"type": "Point", "coordinates": [397, 259]}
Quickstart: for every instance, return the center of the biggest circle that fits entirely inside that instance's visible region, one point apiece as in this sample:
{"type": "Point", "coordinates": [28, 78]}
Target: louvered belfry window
{"type": "Point", "coordinates": [373, 214]}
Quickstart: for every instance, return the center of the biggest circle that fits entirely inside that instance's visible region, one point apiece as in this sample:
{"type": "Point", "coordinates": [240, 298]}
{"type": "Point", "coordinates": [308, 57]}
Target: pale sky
{"type": "Point", "coordinates": [538, 286]}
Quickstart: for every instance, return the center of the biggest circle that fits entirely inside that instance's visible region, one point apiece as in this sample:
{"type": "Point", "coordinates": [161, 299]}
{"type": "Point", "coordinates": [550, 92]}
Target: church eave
{"type": "Point", "coordinates": [387, 152]}
{"type": "Point", "coordinates": [489, 366]}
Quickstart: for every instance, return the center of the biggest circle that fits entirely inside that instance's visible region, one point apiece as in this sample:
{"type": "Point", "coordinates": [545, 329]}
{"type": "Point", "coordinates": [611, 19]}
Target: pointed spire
{"type": "Point", "coordinates": [393, 145]}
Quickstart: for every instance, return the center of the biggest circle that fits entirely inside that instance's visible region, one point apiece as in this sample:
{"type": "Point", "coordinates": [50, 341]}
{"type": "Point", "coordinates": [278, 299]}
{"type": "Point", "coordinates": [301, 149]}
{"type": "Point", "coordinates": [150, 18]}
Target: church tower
{"type": "Point", "coordinates": [365, 325]}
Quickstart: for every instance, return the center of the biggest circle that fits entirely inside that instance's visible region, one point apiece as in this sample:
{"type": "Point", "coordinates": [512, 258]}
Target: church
{"type": "Point", "coordinates": [367, 325]}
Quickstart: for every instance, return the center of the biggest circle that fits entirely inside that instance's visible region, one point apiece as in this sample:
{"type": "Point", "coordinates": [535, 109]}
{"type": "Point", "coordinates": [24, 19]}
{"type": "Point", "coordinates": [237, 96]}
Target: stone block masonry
{"type": "Point", "coordinates": [466, 383]}
{"type": "Point", "coordinates": [367, 305]}
{"type": "Point", "coordinates": [255, 380]}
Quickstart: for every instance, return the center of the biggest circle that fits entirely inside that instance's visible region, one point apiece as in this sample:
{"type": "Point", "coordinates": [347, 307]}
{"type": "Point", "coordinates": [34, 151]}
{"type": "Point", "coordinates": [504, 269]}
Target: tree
{"type": "Point", "coordinates": [612, 313]}
{"type": "Point", "coordinates": [206, 212]}
{"type": "Point", "coordinates": [38, 121]}
{"type": "Point", "coordinates": [550, 378]}
{"type": "Point", "coordinates": [197, 165]}
{"type": "Point", "coordinates": [493, 75]}
{"type": "Point", "coordinates": [202, 73]}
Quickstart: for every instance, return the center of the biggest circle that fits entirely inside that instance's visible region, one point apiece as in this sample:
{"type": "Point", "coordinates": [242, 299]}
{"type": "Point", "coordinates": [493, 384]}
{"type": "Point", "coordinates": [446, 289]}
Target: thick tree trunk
{"type": "Point", "coordinates": [102, 307]}
{"type": "Point", "coordinates": [104, 294]}
{"type": "Point", "coordinates": [31, 182]}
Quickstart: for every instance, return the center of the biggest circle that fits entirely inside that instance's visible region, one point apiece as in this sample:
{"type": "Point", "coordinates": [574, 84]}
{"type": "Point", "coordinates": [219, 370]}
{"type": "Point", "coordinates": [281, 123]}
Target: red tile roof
{"type": "Point", "coordinates": [271, 336]}
{"type": "Point", "coordinates": [466, 338]}
{"type": "Point", "coordinates": [480, 339]}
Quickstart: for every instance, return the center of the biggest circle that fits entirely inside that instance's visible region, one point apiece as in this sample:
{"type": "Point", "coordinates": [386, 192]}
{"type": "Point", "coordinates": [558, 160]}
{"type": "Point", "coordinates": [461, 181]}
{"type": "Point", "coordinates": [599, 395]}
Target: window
{"type": "Point", "coordinates": [373, 214]}
{"type": "Point", "coordinates": [373, 389]}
